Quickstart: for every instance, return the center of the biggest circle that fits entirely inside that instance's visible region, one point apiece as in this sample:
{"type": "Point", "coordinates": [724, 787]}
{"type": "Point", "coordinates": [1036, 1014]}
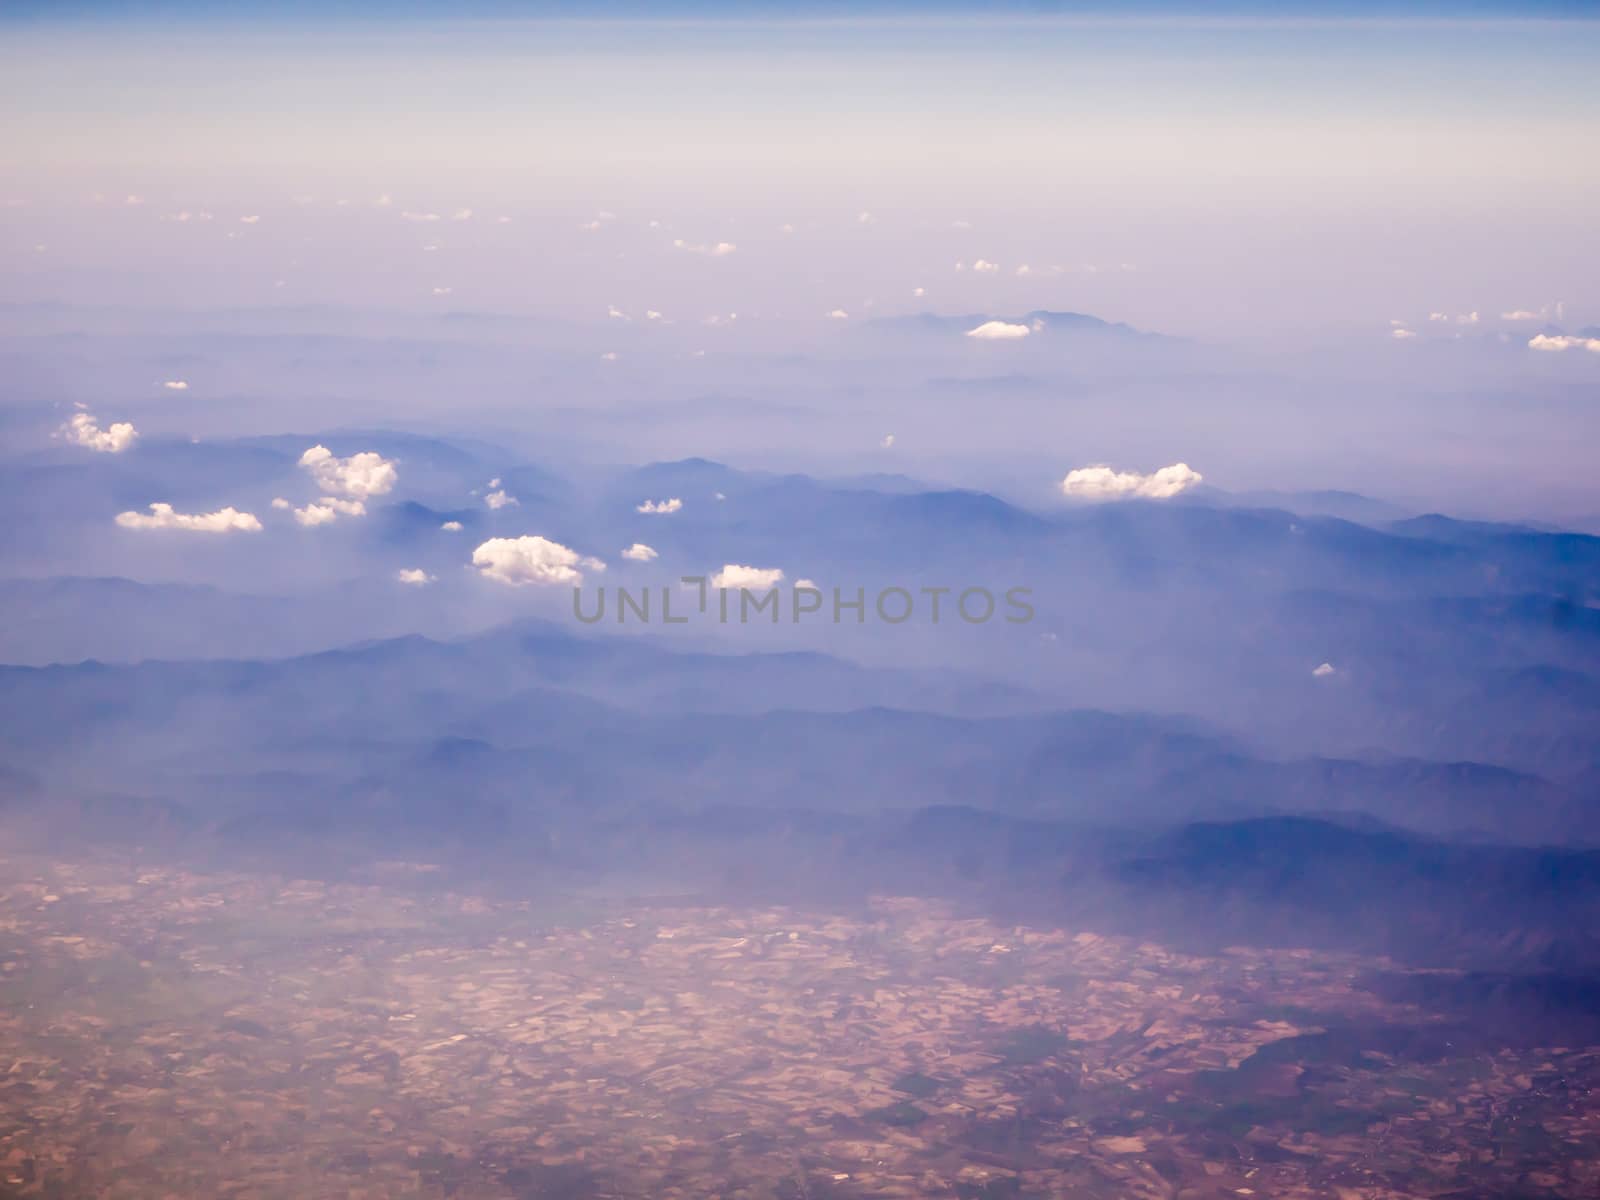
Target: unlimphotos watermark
{"type": "Point", "coordinates": [697, 598]}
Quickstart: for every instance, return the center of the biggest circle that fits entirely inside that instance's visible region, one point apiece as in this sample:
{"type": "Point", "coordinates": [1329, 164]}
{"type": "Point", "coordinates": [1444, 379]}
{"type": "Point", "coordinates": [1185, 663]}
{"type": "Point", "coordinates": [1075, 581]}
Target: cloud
{"type": "Point", "coordinates": [415, 576]}
{"type": "Point", "coordinates": [733, 575]}
{"type": "Point", "coordinates": [280, 502]}
{"type": "Point", "coordinates": [652, 315]}
{"type": "Point", "coordinates": [838, 314]}
{"type": "Point", "coordinates": [986, 267]}
{"type": "Point", "coordinates": [176, 385]}
{"type": "Point", "coordinates": [713, 249]}
{"type": "Point", "coordinates": [1520, 314]}
{"type": "Point", "coordinates": [83, 430]}
{"type": "Point", "coordinates": [919, 292]}
{"type": "Point", "coordinates": [1102, 483]}
{"type": "Point", "coordinates": [1470, 318]}
{"type": "Point", "coordinates": [532, 560]}
{"type": "Point", "coordinates": [613, 311]}
{"type": "Point", "coordinates": [364, 474]}
{"type": "Point", "coordinates": [1562, 341]}
{"type": "Point", "coordinates": [325, 512]}
{"type": "Point", "coordinates": [499, 499]}
{"type": "Point", "coordinates": [162, 516]}
{"type": "Point", "coordinates": [998, 331]}
{"type": "Point", "coordinates": [250, 220]}
{"type": "Point", "coordinates": [660, 506]}
{"type": "Point", "coordinates": [451, 527]}
{"type": "Point", "coordinates": [1401, 335]}
{"type": "Point", "coordinates": [1323, 671]}
{"type": "Point", "coordinates": [639, 552]}
{"type": "Point", "coordinates": [888, 441]}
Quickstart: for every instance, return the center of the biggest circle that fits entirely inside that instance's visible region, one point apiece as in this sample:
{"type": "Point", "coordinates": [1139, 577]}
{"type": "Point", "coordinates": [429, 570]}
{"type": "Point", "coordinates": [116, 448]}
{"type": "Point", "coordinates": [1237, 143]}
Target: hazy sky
{"type": "Point", "coordinates": [1232, 178]}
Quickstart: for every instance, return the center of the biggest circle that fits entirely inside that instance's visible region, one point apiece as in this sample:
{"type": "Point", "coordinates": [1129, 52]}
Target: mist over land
{"type": "Point", "coordinates": [909, 605]}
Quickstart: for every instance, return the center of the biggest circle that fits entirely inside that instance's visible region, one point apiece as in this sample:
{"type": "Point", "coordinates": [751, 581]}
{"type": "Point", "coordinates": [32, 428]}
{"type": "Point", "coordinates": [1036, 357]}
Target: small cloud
{"type": "Point", "coordinates": [651, 315]}
{"type": "Point", "coordinates": [175, 385]}
{"type": "Point", "coordinates": [713, 249]}
{"type": "Point", "coordinates": [443, 291]}
{"type": "Point", "coordinates": [83, 430]}
{"type": "Point", "coordinates": [424, 218]}
{"type": "Point", "coordinates": [451, 527]}
{"type": "Point", "coordinates": [838, 314]}
{"type": "Point", "coordinates": [660, 506]}
{"type": "Point", "coordinates": [985, 267]}
{"type": "Point", "coordinates": [888, 441]}
{"type": "Point", "coordinates": [865, 218]}
{"type": "Point", "coordinates": [919, 292]}
{"type": "Point", "coordinates": [639, 552]}
{"type": "Point", "coordinates": [1561, 341]}
{"type": "Point", "coordinates": [1470, 318]}
{"type": "Point", "coordinates": [1323, 671]}
{"type": "Point", "coordinates": [499, 499]}
{"type": "Point", "coordinates": [1102, 483]}
{"type": "Point", "coordinates": [325, 512]}
{"type": "Point", "coordinates": [414, 576]}
{"type": "Point", "coordinates": [613, 311]}
{"type": "Point", "coordinates": [250, 220]}
{"type": "Point", "coordinates": [364, 474]}
{"type": "Point", "coordinates": [609, 356]}
{"type": "Point", "coordinates": [1520, 314]}
{"type": "Point", "coordinates": [462, 214]}
{"type": "Point", "coordinates": [998, 331]}
{"type": "Point", "coordinates": [162, 516]}
{"type": "Point", "coordinates": [1401, 335]}
{"type": "Point", "coordinates": [532, 560]}
{"type": "Point", "coordinates": [734, 575]}
{"type": "Point", "coordinates": [279, 502]}
{"type": "Point", "coordinates": [1433, 316]}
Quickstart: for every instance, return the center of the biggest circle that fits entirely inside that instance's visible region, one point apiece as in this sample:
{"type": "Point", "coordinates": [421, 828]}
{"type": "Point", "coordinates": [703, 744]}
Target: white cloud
{"type": "Point", "coordinates": [609, 356]}
{"type": "Point", "coordinates": [443, 291]}
{"type": "Point", "coordinates": [451, 527]}
{"type": "Point", "coordinates": [1323, 671]}
{"type": "Point", "coordinates": [1520, 314]}
{"type": "Point", "coordinates": [364, 474]}
{"type": "Point", "coordinates": [652, 315]}
{"type": "Point", "coordinates": [1470, 318]}
{"type": "Point", "coordinates": [1401, 335]}
{"type": "Point", "coordinates": [425, 217]}
{"type": "Point", "coordinates": [733, 575]}
{"type": "Point", "coordinates": [806, 583]}
{"type": "Point", "coordinates": [660, 506]}
{"type": "Point", "coordinates": [613, 311]}
{"type": "Point", "coordinates": [997, 331]}
{"type": "Point", "coordinates": [532, 559]}
{"type": "Point", "coordinates": [714, 249]}
{"type": "Point", "coordinates": [919, 292]}
{"type": "Point", "coordinates": [462, 214]}
{"type": "Point", "coordinates": [838, 314]}
{"type": "Point", "coordinates": [499, 499]}
{"type": "Point", "coordinates": [83, 430]}
{"type": "Point", "coordinates": [176, 385]}
{"type": "Point", "coordinates": [162, 516]}
{"type": "Point", "coordinates": [1435, 316]}
{"type": "Point", "coordinates": [250, 220]}
{"type": "Point", "coordinates": [324, 512]}
{"type": "Point", "coordinates": [984, 266]}
{"type": "Point", "coordinates": [1102, 483]}
{"type": "Point", "coordinates": [280, 502]}
{"type": "Point", "coordinates": [864, 218]}
{"type": "Point", "coordinates": [888, 441]}
{"type": "Point", "coordinates": [639, 552]}
{"type": "Point", "coordinates": [1562, 341]}
{"type": "Point", "coordinates": [415, 576]}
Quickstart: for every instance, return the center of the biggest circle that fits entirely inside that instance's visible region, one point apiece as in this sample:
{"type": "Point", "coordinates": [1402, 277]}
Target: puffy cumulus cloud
{"type": "Point", "coordinates": [325, 512]}
{"type": "Point", "coordinates": [84, 430]}
{"type": "Point", "coordinates": [162, 516]}
{"type": "Point", "coordinates": [1323, 671]}
{"type": "Point", "coordinates": [639, 552]}
{"type": "Point", "coordinates": [451, 527]}
{"type": "Point", "coordinates": [984, 267]}
{"type": "Point", "coordinates": [660, 506]}
{"type": "Point", "coordinates": [531, 559]}
{"type": "Point", "coordinates": [500, 498]}
{"type": "Point", "coordinates": [413, 576]}
{"type": "Point", "coordinates": [734, 575]}
{"type": "Point", "coordinates": [364, 474]}
{"type": "Point", "coordinates": [713, 249]}
{"type": "Point", "coordinates": [1563, 341]}
{"type": "Point", "coordinates": [1102, 483]}
{"type": "Point", "coordinates": [998, 331]}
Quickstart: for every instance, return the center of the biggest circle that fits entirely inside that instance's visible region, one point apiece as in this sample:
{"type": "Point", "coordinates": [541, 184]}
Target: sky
{"type": "Point", "coordinates": [1237, 176]}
